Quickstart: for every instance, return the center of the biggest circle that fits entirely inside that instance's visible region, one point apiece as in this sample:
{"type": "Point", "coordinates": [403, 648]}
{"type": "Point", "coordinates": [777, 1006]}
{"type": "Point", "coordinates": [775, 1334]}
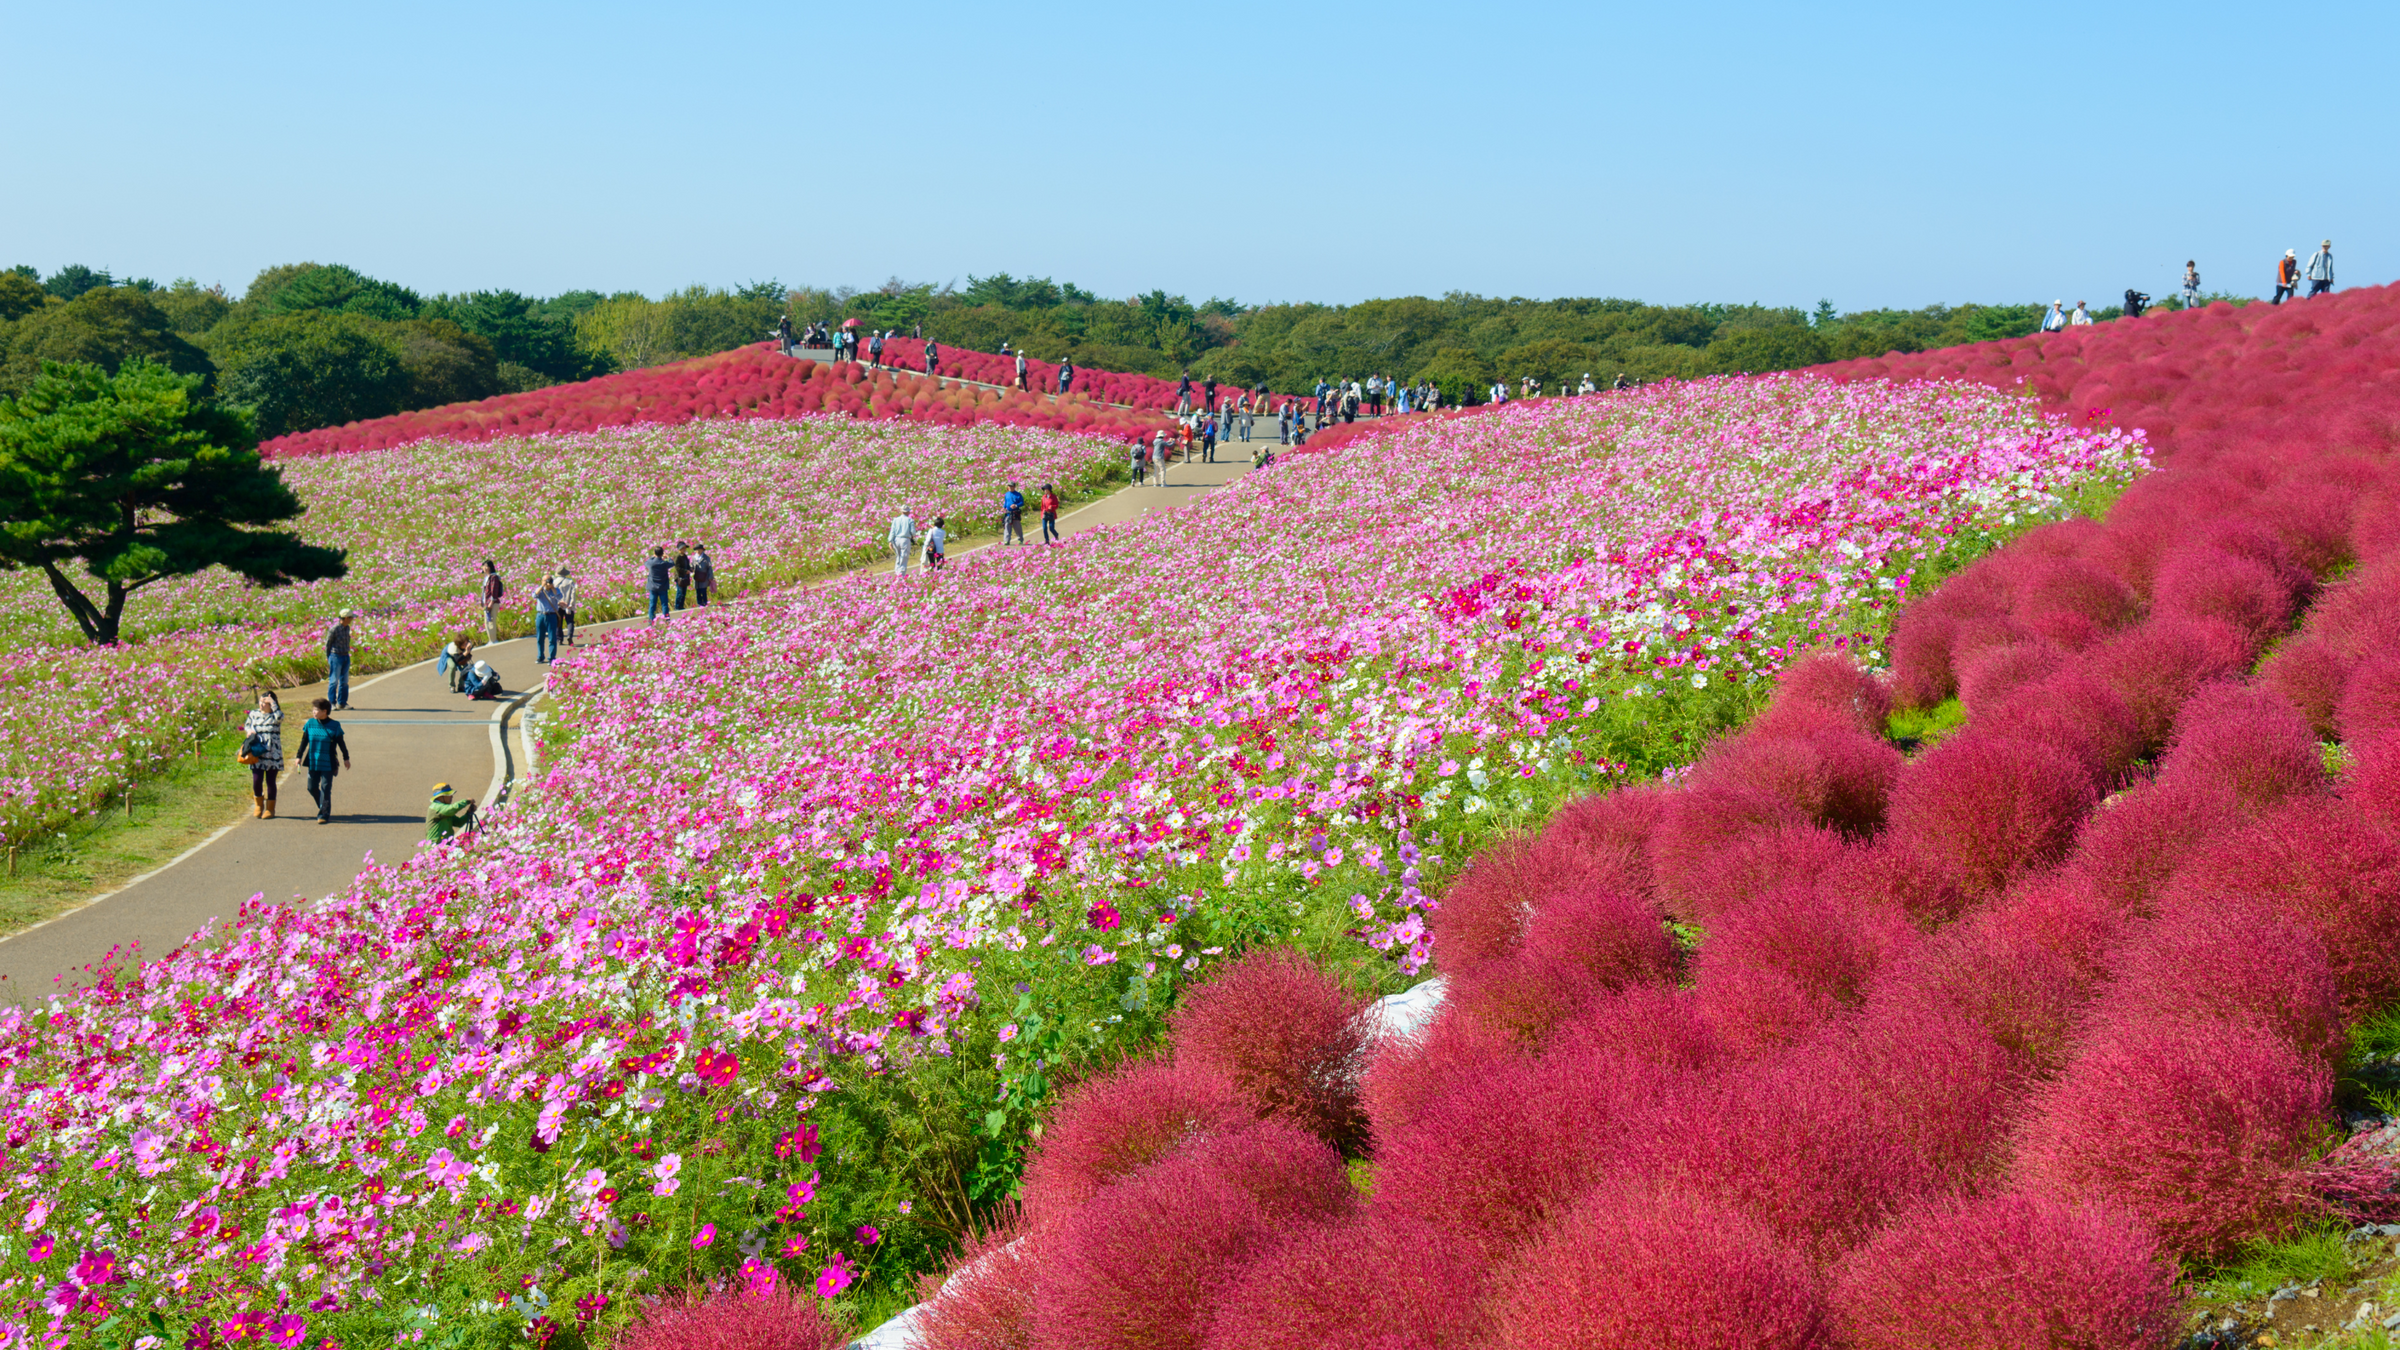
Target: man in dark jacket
{"type": "Point", "coordinates": [683, 574]}
{"type": "Point", "coordinates": [323, 753]}
{"type": "Point", "coordinates": [337, 662]}
{"type": "Point", "coordinates": [661, 572]}
{"type": "Point", "coordinates": [1066, 374]}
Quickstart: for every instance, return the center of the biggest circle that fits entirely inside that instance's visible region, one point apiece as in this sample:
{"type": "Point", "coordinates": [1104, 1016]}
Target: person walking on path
{"type": "Point", "coordinates": [1066, 374]}
{"type": "Point", "coordinates": [875, 351]}
{"type": "Point", "coordinates": [545, 622]}
{"type": "Point", "coordinates": [937, 545]}
{"type": "Point", "coordinates": [566, 605]}
{"type": "Point", "coordinates": [704, 574]}
{"type": "Point", "coordinates": [337, 661]}
{"type": "Point", "coordinates": [262, 750]}
{"type": "Point", "coordinates": [1208, 438]}
{"type": "Point", "coordinates": [1183, 394]}
{"type": "Point", "coordinates": [1049, 505]}
{"type": "Point", "coordinates": [445, 817]}
{"type": "Point", "coordinates": [323, 753]}
{"type": "Point", "coordinates": [2056, 320]}
{"type": "Point", "coordinates": [1208, 392]}
{"type": "Point", "coordinates": [2320, 269]}
{"type": "Point", "coordinates": [903, 537]}
{"type": "Point", "coordinates": [683, 574]}
{"type": "Point", "coordinates": [493, 589]}
{"type": "Point", "coordinates": [1021, 372]}
{"type": "Point", "coordinates": [1012, 516]}
{"type": "Point", "coordinates": [1141, 456]}
{"type": "Point", "coordinates": [662, 573]}
{"type": "Point", "coordinates": [2191, 284]}
{"type": "Point", "coordinates": [2287, 277]}
{"type": "Point", "coordinates": [933, 358]}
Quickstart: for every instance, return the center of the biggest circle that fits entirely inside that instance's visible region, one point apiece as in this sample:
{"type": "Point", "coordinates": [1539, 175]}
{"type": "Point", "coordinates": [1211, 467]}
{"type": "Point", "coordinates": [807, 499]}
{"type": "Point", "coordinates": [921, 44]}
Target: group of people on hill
{"type": "Point", "coordinates": [691, 572]}
{"type": "Point", "coordinates": [931, 546]}
{"type": "Point", "coordinates": [2289, 273]}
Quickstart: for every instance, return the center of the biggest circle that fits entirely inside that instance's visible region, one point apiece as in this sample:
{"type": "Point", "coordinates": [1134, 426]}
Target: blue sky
{"type": "Point", "coordinates": [1873, 154]}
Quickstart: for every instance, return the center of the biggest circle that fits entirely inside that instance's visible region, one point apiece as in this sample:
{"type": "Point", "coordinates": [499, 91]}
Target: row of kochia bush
{"type": "Point", "coordinates": [1827, 1045]}
{"type": "Point", "coordinates": [745, 382]}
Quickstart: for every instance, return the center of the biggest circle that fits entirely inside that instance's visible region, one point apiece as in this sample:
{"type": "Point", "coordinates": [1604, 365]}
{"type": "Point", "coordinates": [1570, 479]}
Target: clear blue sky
{"type": "Point", "coordinates": [1876, 154]}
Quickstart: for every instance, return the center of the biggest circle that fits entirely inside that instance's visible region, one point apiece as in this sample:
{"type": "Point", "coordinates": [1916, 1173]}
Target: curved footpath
{"type": "Point", "coordinates": [406, 732]}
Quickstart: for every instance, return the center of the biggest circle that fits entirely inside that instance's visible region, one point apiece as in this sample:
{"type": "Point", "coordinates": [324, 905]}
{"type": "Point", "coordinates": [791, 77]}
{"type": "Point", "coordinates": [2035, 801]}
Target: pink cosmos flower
{"type": "Point", "coordinates": [795, 1246]}
{"type": "Point", "coordinates": [41, 1249]}
{"type": "Point", "coordinates": [706, 1235]}
{"type": "Point", "coordinates": [869, 1234]}
{"type": "Point", "coordinates": [288, 1329]}
{"type": "Point", "coordinates": [833, 1279]}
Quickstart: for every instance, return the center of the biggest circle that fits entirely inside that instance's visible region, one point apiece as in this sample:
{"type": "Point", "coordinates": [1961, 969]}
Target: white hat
{"type": "Point", "coordinates": [346, 614]}
{"type": "Point", "coordinates": [2291, 253]}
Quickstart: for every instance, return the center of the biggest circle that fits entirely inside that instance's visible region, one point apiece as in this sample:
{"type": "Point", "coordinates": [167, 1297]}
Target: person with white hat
{"type": "Point", "coordinates": [337, 662]}
{"type": "Point", "coordinates": [2320, 269]}
{"type": "Point", "coordinates": [2287, 277]}
{"type": "Point", "coordinates": [2056, 320]}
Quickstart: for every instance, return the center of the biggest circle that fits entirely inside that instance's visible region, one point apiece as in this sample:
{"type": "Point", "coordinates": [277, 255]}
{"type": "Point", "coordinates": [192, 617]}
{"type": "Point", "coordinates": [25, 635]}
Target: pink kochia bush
{"type": "Point", "coordinates": [1286, 1035]}
{"type": "Point", "coordinates": [2004, 1273]}
{"type": "Point", "coordinates": [763, 1314]}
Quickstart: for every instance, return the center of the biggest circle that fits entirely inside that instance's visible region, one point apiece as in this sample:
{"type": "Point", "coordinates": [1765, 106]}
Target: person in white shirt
{"type": "Point", "coordinates": [2056, 320]}
{"type": "Point", "coordinates": [2080, 317]}
{"type": "Point", "coordinates": [937, 543]}
{"type": "Point", "coordinates": [903, 539]}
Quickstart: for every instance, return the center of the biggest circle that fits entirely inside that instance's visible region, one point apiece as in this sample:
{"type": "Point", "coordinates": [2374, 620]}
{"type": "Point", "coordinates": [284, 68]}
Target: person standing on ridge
{"type": "Point", "coordinates": [2287, 277]}
{"type": "Point", "coordinates": [2081, 317]}
{"type": "Point", "coordinates": [661, 573]}
{"type": "Point", "coordinates": [1208, 393]}
{"type": "Point", "coordinates": [1021, 388]}
{"type": "Point", "coordinates": [704, 574]}
{"type": "Point", "coordinates": [493, 589]}
{"type": "Point", "coordinates": [566, 605]}
{"type": "Point", "coordinates": [2320, 269]}
{"type": "Point", "coordinates": [1141, 456]}
{"type": "Point", "coordinates": [323, 753]}
{"type": "Point", "coordinates": [875, 351]}
{"type": "Point", "coordinates": [1049, 505]}
{"type": "Point", "coordinates": [2056, 320]}
{"type": "Point", "coordinates": [337, 661]}
{"type": "Point", "coordinates": [2191, 284]}
{"type": "Point", "coordinates": [933, 358]}
{"type": "Point", "coordinates": [1066, 374]}
{"type": "Point", "coordinates": [1183, 394]}
{"type": "Point", "coordinates": [1012, 516]}
{"type": "Point", "coordinates": [903, 537]}
{"type": "Point", "coordinates": [683, 574]}
{"type": "Point", "coordinates": [262, 751]}
{"type": "Point", "coordinates": [545, 622]}
{"type": "Point", "coordinates": [1208, 438]}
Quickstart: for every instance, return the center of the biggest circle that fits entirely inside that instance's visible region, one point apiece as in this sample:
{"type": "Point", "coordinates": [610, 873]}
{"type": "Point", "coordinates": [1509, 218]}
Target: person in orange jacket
{"type": "Point", "coordinates": [2287, 277]}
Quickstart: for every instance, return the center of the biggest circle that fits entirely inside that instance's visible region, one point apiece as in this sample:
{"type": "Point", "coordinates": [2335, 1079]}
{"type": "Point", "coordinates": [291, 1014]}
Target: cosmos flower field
{"type": "Point", "coordinates": [776, 501]}
{"type": "Point", "coordinates": [765, 977]}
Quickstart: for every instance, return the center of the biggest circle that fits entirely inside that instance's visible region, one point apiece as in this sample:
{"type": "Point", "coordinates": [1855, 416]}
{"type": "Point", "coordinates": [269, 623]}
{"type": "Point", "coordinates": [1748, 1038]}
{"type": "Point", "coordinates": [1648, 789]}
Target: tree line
{"type": "Point", "coordinates": [310, 345]}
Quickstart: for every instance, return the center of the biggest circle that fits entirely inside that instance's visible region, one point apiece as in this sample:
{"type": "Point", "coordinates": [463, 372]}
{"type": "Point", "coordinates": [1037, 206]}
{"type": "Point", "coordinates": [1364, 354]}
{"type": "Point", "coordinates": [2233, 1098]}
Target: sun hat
{"type": "Point", "coordinates": [440, 788]}
{"type": "Point", "coordinates": [349, 614]}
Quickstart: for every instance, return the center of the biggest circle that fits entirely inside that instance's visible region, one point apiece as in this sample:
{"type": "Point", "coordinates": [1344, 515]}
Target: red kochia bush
{"type": "Point", "coordinates": [1662, 1271]}
{"type": "Point", "coordinates": [1987, 808]}
{"type": "Point", "coordinates": [984, 1300]}
{"type": "Point", "coordinates": [1580, 944]}
{"type": "Point", "coordinates": [1772, 970]}
{"type": "Point", "coordinates": [1285, 1034]}
{"type": "Point", "coordinates": [1698, 828]}
{"type": "Point", "coordinates": [1835, 778]}
{"type": "Point", "coordinates": [2218, 958]}
{"type": "Point", "coordinates": [1945, 1081]}
{"type": "Point", "coordinates": [2023, 970]}
{"type": "Point", "coordinates": [1889, 872]}
{"type": "Point", "coordinates": [2372, 785]}
{"type": "Point", "coordinates": [1145, 1262]}
{"type": "Point", "coordinates": [2005, 1273]}
{"type": "Point", "coordinates": [2321, 861]}
{"type": "Point", "coordinates": [2135, 842]}
{"type": "Point", "coordinates": [784, 1316]}
{"type": "Point", "coordinates": [2156, 667]}
{"type": "Point", "coordinates": [1348, 1285]}
{"type": "Point", "coordinates": [1610, 831]}
{"type": "Point", "coordinates": [2309, 673]}
{"type": "Point", "coordinates": [2249, 741]}
{"type": "Point", "coordinates": [1827, 682]}
{"type": "Point", "coordinates": [1107, 1128]}
{"type": "Point", "coordinates": [1992, 673]}
{"type": "Point", "coordinates": [2074, 711]}
{"type": "Point", "coordinates": [1485, 916]}
{"type": "Point", "coordinates": [1404, 1075]}
{"type": "Point", "coordinates": [2370, 703]}
{"type": "Point", "coordinates": [2208, 583]}
{"type": "Point", "coordinates": [2204, 1130]}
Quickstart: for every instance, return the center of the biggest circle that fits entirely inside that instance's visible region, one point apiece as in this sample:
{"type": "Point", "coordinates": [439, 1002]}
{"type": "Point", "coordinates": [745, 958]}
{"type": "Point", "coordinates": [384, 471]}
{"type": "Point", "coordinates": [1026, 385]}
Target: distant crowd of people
{"type": "Point", "coordinates": [2289, 273]}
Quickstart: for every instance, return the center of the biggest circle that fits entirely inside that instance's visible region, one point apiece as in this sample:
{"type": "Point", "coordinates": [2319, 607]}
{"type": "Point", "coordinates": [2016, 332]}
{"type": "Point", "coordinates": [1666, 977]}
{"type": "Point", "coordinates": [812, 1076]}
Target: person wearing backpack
{"type": "Point", "coordinates": [493, 589]}
{"type": "Point", "coordinates": [704, 574]}
{"type": "Point", "coordinates": [1141, 456]}
{"type": "Point", "coordinates": [262, 752]}
{"type": "Point", "coordinates": [1021, 388]}
{"type": "Point", "coordinates": [937, 544]}
{"type": "Point", "coordinates": [933, 357]}
{"type": "Point", "coordinates": [875, 351]}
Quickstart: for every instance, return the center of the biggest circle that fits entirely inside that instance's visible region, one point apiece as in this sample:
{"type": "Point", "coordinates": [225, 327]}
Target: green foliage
{"type": "Point", "coordinates": [315, 368]}
{"type": "Point", "coordinates": [1556, 362]}
{"type": "Point", "coordinates": [20, 295]}
{"type": "Point", "coordinates": [191, 309]}
{"type": "Point", "coordinates": [2314, 1254]}
{"type": "Point", "coordinates": [136, 478]}
{"type": "Point", "coordinates": [105, 327]}
{"type": "Point", "coordinates": [1754, 350]}
{"type": "Point", "coordinates": [316, 286]}
{"type": "Point", "coordinates": [519, 331]}
{"type": "Point", "coordinates": [445, 363]}
{"type": "Point", "coordinates": [73, 280]}
{"type": "Point", "coordinates": [1924, 726]}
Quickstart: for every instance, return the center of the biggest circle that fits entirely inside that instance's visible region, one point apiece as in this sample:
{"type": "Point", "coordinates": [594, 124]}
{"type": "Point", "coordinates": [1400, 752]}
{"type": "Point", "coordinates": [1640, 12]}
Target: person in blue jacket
{"type": "Point", "coordinates": [323, 753]}
{"type": "Point", "coordinates": [1012, 516]}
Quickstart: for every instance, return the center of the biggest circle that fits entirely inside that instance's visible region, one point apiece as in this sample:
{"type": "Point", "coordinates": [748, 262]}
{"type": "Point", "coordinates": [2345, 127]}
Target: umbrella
{"type": "Point", "coordinates": [849, 323]}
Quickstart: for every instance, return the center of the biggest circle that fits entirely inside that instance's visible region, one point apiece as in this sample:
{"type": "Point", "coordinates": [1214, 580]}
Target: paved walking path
{"type": "Point", "coordinates": [406, 732]}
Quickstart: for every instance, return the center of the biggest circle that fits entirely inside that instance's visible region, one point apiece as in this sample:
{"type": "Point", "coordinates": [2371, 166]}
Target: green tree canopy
{"type": "Point", "coordinates": [1782, 346]}
{"type": "Point", "coordinates": [105, 327]}
{"type": "Point", "coordinates": [297, 372]}
{"type": "Point", "coordinates": [20, 295]}
{"type": "Point", "coordinates": [136, 478]}
{"type": "Point", "coordinates": [74, 279]}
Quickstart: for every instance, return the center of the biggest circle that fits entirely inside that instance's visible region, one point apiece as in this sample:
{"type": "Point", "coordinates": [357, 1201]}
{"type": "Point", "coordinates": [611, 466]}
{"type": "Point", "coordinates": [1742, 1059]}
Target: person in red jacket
{"type": "Point", "coordinates": [1049, 504]}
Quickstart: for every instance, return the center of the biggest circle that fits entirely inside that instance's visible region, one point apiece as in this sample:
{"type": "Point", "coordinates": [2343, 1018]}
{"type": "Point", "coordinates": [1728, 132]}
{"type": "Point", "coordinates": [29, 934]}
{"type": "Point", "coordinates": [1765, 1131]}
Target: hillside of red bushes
{"type": "Point", "coordinates": [754, 381]}
{"type": "Point", "coordinates": [1978, 1040]}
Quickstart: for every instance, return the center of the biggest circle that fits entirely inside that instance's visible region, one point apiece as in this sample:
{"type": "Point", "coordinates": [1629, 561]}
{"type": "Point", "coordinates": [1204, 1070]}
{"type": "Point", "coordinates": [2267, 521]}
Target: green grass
{"type": "Point", "coordinates": [1916, 727]}
{"type": "Point", "coordinates": [172, 810]}
{"type": "Point", "coordinates": [2263, 1267]}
